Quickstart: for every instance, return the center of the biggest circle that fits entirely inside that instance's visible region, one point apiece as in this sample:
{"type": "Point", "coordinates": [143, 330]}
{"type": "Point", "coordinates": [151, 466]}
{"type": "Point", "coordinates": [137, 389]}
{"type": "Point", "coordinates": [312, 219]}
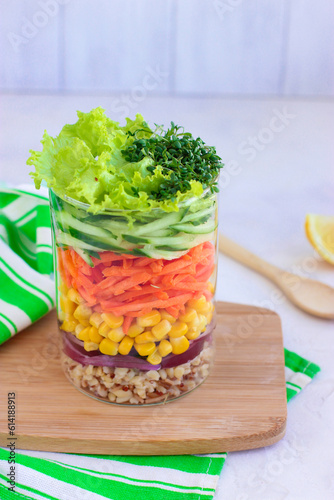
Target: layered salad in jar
{"type": "Point", "coordinates": [134, 219]}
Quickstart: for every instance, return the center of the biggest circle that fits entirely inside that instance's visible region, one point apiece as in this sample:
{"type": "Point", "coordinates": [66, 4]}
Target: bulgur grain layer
{"type": "Point", "coordinates": [132, 386]}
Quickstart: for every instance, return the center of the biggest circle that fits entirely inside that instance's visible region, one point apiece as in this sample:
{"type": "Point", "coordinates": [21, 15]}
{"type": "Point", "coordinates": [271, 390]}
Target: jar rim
{"type": "Point", "coordinates": [86, 206]}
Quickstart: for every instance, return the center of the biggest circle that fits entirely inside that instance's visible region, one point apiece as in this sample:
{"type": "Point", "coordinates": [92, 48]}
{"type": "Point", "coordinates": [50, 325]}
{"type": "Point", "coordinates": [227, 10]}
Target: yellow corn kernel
{"type": "Point", "coordinates": [150, 319]}
{"type": "Point", "coordinates": [75, 296]}
{"type": "Point", "coordinates": [201, 305]}
{"type": "Point", "coordinates": [85, 322]}
{"type": "Point", "coordinates": [104, 329]}
{"type": "Point", "coordinates": [167, 316]}
{"type": "Point", "coordinates": [135, 330]}
{"type": "Point", "coordinates": [202, 322]}
{"type": "Point", "coordinates": [94, 335]}
{"type": "Point", "coordinates": [193, 333]}
{"type": "Point", "coordinates": [179, 345]}
{"type": "Point", "coordinates": [82, 314]}
{"type": "Point", "coordinates": [84, 334]}
{"type": "Point", "coordinates": [79, 328]}
{"type": "Point", "coordinates": [67, 305]}
{"type": "Point", "coordinates": [154, 358]}
{"type": "Point", "coordinates": [165, 348]}
{"type": "Point", "coordinates": [69, 324]}
{"type": "Point", "coordinates": [194, 323]}
{"type": "Point", "coordinates": [145, 349]}
{"type": "Point", "coordinates": [189, 315]}
{"type": "Point", "coordinates": [205, 309]}
{"type": "Point", "coordinates": [116, 334]}
{"type": "Point", "coordinates": [112, 320]}
{"type": "Point", "coordinates": [178, 330]}
{"type": "Point", "coordinates": [62, 316]}
{"type": "Point", "coordinates": [160, 330]}
{"type": "Point", "coordinates": [96, 320]}
{"type": "Point", "coordinates": [63, 288]}
{"type": "Point", "coordinates": [91, 346]}
{"type": "Point", "coordinates": [145, 337]}
{"type": "Point", "coordinates": [109, 347]}
{"type": "Point", "coordinates": [126, 345]}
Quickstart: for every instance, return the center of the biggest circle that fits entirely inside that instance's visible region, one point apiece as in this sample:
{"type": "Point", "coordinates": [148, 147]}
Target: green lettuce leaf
{"type": "Point", "coordinates": [84, 162]}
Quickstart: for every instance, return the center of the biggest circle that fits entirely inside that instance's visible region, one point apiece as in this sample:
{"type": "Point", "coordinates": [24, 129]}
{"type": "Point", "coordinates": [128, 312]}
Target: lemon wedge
{"type": "Point", "coordinates": [320, 232]}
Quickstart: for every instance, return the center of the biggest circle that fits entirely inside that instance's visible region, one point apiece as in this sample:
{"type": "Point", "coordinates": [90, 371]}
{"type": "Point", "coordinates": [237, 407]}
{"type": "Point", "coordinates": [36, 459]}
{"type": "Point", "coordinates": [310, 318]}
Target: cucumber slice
{"type": "Point", "coordinates": [94, 254]}
{"type": "Point", "coordinates": [84, 255]}
{"type": "Point", "coordinates": [68, 240]}
{"type": "Point", "coordinates": [111, 224]}
{"type": "Point", "coordinates": [67, 219]}
{"type": "Point", "coordinates": [154, 253]}
{"type": "Point", "coordinates": [106, 243]}
{"type": "Point", "coordinates": [160, 223]}
{"type": "Point", "coordinates": [208, 227]}
{"type": "Point", "coordinates": [196, 216]}
{"type": "Point", "coordinates": [172, 249]}
{"type": "Point", "coordinates": [141, 252]}
{"type": "Point", "coordinates": [137, 240]}
{"type": "Point", "coordinates": [87, 243]}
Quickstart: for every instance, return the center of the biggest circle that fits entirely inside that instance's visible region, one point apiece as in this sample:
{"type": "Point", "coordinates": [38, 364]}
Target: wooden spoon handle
{"type": "Point", "coordinates": [236, 252]}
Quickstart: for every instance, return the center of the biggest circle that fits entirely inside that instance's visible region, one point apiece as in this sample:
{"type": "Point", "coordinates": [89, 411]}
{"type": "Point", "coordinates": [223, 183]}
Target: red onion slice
{"type": "Point", "coordinates": [194, 350]}
{"type": "Point", "coordinates": [73, 348]}
{"type": "Point", "coordinates": [78, 354]}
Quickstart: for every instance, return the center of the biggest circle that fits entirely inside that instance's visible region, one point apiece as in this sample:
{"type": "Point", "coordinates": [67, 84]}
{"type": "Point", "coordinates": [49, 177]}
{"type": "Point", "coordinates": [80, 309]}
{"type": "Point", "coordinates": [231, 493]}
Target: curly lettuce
{"type": "Point", "coordinates": [84, 162]}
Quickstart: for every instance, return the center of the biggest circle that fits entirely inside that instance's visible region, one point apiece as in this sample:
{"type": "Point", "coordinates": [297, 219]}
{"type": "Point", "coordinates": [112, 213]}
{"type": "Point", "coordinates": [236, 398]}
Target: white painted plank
{"type": "Point", "coordinates": [118, 46]}
{"type": "Point", "coordinates": [229, 46]}
{"type": "Point", "coordinates": [29, 45]}
{"type": "Point", "coordinates": [155, 46]}
{"type": "Point", "coordinates": [310, 49]}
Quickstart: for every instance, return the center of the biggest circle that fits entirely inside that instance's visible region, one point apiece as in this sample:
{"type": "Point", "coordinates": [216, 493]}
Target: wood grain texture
{"type": "Point", "coordinates": [242, 405]}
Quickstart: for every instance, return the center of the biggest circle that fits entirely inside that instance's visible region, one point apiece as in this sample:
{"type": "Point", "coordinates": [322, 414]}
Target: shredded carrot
{"type": "Point", "coordinates": [176, 265]}
{"type": "Point", "coordinates": [127, 283]}
{"type": "Point", "coordinates": [174, 311]}
{"type": "Point", "coordinates": [142, 262]}
{"type": "Point", "coordinates": [64, 273]}
{"type": "Point", "coordinates": [78, 262]}
{"type": "Point", "coordinates": [127, 263]}
{"type": "Point", "coordinates": [97, 274]}
{"type": "Point", "coordinates": [132, 286]}
{"type": "Point", "coordinates": [91, 301]}
{"type": "Point", "coordinates": [120, 271]}
{"type": "Point", "coordinates": [157, 266]}
{"type": "Point", "coordinates": [126, 324]}
{"type": "Point", "coordinates": [109, 282]}
{"type": "Point", "coordinates": [159, 304]}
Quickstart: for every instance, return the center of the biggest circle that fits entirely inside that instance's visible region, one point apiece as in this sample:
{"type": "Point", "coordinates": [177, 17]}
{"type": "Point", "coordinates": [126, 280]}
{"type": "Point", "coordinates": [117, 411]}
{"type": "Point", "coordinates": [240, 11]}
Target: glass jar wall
{"type": "Point", "coordinates": [135, 298]}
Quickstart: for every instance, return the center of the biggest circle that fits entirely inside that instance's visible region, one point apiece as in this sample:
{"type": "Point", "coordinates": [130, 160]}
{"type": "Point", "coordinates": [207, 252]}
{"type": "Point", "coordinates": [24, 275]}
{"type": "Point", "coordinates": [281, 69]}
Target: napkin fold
{"type": "Point", "coordinates": [26, 290]}
{"type": "Point", "coordinates": [26, 294]}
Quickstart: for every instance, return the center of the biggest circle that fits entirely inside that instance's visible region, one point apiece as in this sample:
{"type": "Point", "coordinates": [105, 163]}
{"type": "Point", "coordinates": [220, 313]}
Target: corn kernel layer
{"type": "Point", "coordinates": [154, 335]}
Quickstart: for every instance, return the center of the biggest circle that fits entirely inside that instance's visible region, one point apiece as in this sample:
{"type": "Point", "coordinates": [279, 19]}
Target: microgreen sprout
{"type": "Point", "coordinates": [179, 155]}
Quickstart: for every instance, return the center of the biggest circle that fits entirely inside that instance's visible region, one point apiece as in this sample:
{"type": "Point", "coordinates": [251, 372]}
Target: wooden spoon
{"type": "Point", "coordinates": [312, 296]}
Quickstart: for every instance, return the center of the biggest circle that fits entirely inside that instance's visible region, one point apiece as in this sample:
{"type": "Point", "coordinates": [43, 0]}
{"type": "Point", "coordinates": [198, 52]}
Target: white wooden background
{"type": "Point", "coordinates": [281, 47]}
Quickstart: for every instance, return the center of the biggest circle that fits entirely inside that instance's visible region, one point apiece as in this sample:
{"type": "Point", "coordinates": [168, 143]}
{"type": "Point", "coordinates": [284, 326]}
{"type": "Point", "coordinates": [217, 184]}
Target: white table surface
{"type": "Point", "coordinates": [263, 207]}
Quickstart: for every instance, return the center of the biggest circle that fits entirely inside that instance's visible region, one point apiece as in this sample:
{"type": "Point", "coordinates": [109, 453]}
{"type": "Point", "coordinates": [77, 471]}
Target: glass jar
{"type": "Point", "coordinates": [135, 298]}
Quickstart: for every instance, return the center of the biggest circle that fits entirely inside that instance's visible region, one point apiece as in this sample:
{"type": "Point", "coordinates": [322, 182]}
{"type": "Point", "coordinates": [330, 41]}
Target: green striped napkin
{"type": "Point", "coordinates": [25, 257]}
{"type": "Point", "coordinates": [26, 290]}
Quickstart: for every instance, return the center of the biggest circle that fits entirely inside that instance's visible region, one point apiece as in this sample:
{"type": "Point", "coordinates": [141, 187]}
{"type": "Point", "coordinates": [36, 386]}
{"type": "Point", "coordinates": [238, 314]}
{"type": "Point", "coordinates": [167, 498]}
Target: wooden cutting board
{"type": "Point", "coordinates": [242, 404]}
